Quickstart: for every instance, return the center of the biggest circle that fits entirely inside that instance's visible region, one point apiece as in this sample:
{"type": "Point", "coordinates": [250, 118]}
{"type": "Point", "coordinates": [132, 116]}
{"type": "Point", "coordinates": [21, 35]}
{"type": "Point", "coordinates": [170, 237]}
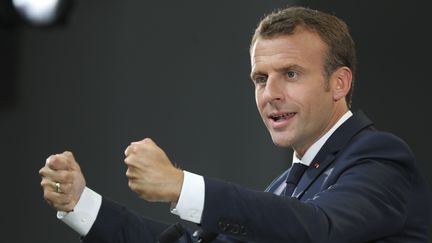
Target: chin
{"type": "Point", "coordinates": [280, 142]}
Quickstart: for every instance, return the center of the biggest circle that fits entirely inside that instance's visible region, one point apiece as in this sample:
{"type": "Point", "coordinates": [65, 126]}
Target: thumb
{"type": "Point", "coordinates": [69, 155]}
{"type": "Point", "coordinates": [73, 164]}
{"type": "Point", "coordinates": [57, 162]}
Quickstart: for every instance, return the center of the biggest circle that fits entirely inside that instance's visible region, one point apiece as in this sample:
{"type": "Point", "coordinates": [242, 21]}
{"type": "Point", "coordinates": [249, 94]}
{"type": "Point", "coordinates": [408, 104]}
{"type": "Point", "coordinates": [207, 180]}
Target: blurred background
{"type": "Point", "coordinates": [111, 72]}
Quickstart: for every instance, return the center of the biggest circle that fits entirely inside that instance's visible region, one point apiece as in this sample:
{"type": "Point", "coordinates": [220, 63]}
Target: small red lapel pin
{"type": "Point", "coordinates": [316, 165]}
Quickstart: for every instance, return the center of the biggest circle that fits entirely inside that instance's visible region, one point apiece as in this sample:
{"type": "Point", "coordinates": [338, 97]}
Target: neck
{"type": "Point", "coordinates": [334, 118]}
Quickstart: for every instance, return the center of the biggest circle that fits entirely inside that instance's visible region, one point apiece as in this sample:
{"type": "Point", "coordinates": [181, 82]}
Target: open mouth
{"type": "Point", "coordinates": [276, 117]}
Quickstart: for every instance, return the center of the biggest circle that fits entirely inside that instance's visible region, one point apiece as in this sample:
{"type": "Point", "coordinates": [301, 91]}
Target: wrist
{"type": "Point", "coordinates": [178, 184]}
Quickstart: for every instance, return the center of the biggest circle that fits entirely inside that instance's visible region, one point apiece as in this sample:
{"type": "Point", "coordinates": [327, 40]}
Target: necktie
{"type": "Point", "coordinates": [297, 170]}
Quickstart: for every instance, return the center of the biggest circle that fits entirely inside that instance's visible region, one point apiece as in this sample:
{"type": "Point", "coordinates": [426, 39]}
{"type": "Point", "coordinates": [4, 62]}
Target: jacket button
{"type": "Point", "coordinates": [235, 228]}
{"type": "Point", "coordinates": [222, 226]}
{"type": "Point", "coordinates": [242, 230]}
{"type": "Point", "coordinates": [228, 227]}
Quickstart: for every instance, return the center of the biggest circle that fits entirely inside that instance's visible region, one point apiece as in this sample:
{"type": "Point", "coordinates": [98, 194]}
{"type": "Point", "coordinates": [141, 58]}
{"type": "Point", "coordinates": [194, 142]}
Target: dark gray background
{"type": "Point", "coordinates": [178, 71]}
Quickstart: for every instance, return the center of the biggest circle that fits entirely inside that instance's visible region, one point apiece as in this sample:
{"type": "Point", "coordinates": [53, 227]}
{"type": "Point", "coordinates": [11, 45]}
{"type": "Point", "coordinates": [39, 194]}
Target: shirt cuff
{"type": "Point", "coordinates": [190, 205]}
{"type": "Point", "coordinates": [85, 212]}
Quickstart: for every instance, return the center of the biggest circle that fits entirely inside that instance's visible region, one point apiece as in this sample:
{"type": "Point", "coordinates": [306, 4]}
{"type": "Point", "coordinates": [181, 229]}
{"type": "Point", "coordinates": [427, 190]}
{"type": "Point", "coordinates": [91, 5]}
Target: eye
{"type": "Point", "coordinates": [260, 79]}
{"type": "Point", "coordinates": [291, 74]}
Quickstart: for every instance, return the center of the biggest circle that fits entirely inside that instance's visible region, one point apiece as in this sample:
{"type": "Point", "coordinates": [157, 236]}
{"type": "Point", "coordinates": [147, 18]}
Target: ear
{"type": "Point", "coordinates": [341, 83]}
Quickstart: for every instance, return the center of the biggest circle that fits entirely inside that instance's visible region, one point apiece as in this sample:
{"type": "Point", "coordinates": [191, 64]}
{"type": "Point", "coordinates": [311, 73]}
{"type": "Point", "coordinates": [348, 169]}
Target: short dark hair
{"type": "Point", "coordinates": [332, 30]}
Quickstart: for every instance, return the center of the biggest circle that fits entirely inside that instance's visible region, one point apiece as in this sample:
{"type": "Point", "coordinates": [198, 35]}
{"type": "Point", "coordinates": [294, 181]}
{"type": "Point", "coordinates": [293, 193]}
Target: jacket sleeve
{"type": "Point", "coordinates": [115, 223]}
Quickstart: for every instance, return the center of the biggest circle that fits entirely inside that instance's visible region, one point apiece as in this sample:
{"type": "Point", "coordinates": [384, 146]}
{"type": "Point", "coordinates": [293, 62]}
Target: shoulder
{"type": "Point", "coordinates": [378, 144]}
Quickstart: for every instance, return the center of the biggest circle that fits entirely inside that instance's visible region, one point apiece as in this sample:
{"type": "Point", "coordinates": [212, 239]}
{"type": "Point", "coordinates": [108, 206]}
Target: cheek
{"type": "Point", "coordinates": [319, 108]}
{"type": "Point", "coordinates": [315, 97]}
{"type": "Point", "coordinates": [258, 100]}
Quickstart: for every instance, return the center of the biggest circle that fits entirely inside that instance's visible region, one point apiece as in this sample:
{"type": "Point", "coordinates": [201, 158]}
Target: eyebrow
{"type": "Point", "coordinates": [291, 67]}
{"type": "Point", "coordinates": [258, 73]}
{"type": "Point", "coordinates": [285, 68]}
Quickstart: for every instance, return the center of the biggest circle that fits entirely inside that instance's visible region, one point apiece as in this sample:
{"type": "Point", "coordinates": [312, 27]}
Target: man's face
{"type": "Point", "coordinates": [291, 91]}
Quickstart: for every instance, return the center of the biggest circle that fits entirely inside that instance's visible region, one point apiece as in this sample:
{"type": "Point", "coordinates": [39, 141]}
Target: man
{"type": "Point", "coordinates": [348, 183]}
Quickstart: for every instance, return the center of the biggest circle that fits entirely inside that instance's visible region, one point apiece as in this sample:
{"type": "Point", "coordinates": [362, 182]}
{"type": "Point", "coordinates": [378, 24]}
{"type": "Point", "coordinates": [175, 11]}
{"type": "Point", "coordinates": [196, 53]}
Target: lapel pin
{"type": "Point", "coordinates": [316, 165]}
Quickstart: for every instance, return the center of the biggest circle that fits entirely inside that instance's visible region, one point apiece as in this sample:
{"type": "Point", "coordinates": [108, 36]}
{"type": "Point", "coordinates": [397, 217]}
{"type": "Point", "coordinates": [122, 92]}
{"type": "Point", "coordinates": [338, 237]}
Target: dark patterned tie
{"type": "Point", "coordinates": [297, 170]}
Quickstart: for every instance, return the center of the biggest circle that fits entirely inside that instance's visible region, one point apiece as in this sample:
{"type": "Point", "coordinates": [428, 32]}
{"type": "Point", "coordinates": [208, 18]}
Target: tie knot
{"type": "Point", "coordinates": [297, 170]}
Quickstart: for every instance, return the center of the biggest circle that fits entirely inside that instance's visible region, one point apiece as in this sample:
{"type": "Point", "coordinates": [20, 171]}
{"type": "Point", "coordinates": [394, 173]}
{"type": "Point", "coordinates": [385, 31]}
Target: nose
{"type": "Point", "coordinates": [273, 91]}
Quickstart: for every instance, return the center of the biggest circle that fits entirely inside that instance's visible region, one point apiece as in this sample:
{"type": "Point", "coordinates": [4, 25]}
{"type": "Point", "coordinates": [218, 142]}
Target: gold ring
{"type": "Point", "coordinates": [58, 187]}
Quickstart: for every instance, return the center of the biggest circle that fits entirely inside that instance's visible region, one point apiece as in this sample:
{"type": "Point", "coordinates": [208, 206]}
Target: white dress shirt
{"type": "Point", "coordinates": [191, 201]}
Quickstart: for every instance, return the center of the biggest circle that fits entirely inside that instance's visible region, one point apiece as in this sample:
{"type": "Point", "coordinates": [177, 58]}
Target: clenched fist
{"type": "Point", "coordinates": [62, 181]}
{"type": "Point", "coordinates": [151, 174]}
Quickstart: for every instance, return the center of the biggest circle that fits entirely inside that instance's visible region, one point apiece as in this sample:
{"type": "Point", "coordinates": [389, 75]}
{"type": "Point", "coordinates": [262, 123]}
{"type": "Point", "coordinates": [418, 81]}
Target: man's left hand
{"type": "Point", "coordinates": [151, 174]}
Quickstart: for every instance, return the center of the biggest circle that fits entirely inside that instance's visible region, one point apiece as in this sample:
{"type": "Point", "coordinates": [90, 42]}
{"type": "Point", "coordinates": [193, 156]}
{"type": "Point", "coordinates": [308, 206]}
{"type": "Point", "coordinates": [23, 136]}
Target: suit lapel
{"type": "Point", "coordinates": [277, 182]}
{"type": "Point", "coordinates": [328, 152]}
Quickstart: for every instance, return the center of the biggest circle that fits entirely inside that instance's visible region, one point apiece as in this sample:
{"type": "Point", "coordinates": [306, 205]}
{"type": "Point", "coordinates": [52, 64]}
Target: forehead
{"type": "Point", "coordinates": [303, 47]}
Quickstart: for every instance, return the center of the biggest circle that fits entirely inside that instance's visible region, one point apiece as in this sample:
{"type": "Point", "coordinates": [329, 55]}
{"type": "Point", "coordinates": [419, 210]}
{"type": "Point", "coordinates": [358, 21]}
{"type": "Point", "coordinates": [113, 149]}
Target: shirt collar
{"type": "Point", "coordinates": [313, 150]}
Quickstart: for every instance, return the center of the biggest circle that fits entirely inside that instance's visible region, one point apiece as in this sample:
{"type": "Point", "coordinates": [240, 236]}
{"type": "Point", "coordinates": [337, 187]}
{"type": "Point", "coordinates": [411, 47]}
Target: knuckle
{"type": "Point", "coordinates": [130, 174]}
{"type": "Point", "coordinates": [69, 158]}
{"type": "Point", "coordinates": [131, 149]}
{"type": "Point", "coordinates": [47, 186]}
{"type": "Point", "coordinates": [48, 159]}
{"type": "Point", "coordinates": [132, 186]}
{"type": "Point", "coordinates": [68, 154]}
{"type": "Point", "coordinates": [42, 171]}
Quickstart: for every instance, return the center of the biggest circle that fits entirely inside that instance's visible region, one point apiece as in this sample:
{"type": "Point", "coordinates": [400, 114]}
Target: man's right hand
{"type": "Point", "coordinates": [62, 181]}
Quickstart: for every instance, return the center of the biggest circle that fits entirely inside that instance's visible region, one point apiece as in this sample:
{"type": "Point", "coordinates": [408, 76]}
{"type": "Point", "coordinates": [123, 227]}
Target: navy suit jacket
{"type": "Point", "coordinates": [362, 186]}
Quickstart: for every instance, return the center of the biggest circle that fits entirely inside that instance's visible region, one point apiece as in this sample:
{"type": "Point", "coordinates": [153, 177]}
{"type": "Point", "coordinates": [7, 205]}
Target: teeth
{"type": "Point", "coordinates": [278, 117]}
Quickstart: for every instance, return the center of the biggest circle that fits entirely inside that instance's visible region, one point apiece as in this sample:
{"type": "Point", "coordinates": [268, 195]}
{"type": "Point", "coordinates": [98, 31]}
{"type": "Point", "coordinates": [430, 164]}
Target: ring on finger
{"type": "Point", "coordinates": [58, 187]}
